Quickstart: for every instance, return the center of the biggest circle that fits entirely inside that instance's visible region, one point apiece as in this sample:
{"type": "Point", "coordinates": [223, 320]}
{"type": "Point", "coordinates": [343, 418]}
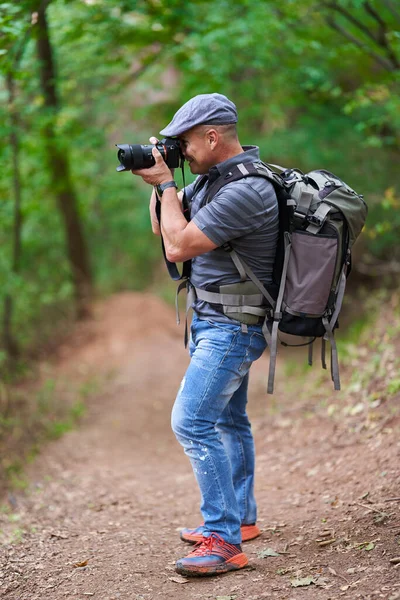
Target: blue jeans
{"type": "Point", "coordinates": [209, 420]}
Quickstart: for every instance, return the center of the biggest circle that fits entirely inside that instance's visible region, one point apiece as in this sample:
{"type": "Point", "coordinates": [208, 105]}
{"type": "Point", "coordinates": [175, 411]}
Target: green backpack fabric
{"type": "Point", "coordinates": [320, 219]}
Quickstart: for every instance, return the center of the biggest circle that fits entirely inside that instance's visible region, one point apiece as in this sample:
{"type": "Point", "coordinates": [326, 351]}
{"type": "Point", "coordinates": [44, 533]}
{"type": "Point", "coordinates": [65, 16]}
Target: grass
{"type": "Point", "coordinates": [368, 359]}
{"type": "Point", "coordinates": [30, 418]}
{"type": "Point", "coordinates": [393, 386]}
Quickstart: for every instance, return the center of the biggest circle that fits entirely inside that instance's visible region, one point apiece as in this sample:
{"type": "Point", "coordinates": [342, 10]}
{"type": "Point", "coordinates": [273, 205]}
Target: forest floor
{"type": "Point", "coordinates": [101, 514]}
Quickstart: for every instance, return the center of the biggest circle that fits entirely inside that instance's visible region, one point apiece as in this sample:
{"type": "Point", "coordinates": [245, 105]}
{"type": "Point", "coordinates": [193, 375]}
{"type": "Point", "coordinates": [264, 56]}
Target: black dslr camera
{"type": "Point", "coordinates": [140, 157]}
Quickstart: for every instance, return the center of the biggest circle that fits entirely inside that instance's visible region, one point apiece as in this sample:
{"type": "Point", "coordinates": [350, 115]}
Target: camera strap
{"type": "Point", "coordinates": [186, 266]}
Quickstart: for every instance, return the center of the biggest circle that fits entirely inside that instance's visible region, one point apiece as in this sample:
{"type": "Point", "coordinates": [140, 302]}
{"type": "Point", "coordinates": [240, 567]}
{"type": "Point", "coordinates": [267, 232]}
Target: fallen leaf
{"type": "Point", "coordinates": [326, 533]}
{"type": "Point", "coordinates": [267, 552]}
{"type": "Point", "coordinates": [366, 546]}
{"type": "Point", "coordinates": [61, 536]}
{"type": "Point", "coordinates": [302, 581]}
{"type": "Point", "coordinates": [357, 409]}
{"type": "Point", "coordinates": [179, 579]}
{"type": "Point", "coordinates": [332, 571]}
{"type": "Point", "coordinates": [380, 518]}
{"type": "Point", "coordinates": [322, 582]}
{"type": "Point", "coordinates": [80, 564]}
{"type": "Point", "coordinates": [225, 597]}
{"type": "Point", "coordinates": [325, 542]}
{"type": "Point", "coordinates": [369, 546]}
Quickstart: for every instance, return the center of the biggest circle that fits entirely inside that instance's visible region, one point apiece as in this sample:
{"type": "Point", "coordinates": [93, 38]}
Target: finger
{"type": "Point", "coordinates": [157, 155]}
{"type": "Point", "coordinates": [153, 140]}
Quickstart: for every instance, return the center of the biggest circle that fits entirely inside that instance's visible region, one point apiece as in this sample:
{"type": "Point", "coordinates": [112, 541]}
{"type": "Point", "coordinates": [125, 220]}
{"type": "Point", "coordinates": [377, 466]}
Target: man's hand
{"type": "Point", "coordinates": [159, 173]}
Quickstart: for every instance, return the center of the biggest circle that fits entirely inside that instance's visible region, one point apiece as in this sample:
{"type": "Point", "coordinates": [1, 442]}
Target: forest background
{"type": "Point", "coordinates": [316, 84]}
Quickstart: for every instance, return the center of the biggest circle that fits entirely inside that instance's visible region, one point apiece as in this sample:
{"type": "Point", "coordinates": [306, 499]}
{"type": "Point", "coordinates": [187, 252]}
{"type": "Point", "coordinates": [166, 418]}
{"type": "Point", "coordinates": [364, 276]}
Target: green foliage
{"type": "Point", "coordinates": [383, 228]}
{"type": "Point", "coordinates": [315, 85]}
{"type": "Point", "coordinates": [28, 419]}
{"type": "Point", "coordinates": [393, 386]}
{"type": "Point", "coordinates": [55, 429]}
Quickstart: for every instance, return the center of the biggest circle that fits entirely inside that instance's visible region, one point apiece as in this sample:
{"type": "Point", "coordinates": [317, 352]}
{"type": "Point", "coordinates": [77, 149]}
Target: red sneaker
{"type": "Point", "coordinates": [192, 536]}
{"type": "Point", "coordinates": [211, 556]}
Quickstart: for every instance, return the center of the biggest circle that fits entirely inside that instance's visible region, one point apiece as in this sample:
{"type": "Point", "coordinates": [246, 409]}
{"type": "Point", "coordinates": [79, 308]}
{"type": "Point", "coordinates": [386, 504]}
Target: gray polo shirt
{"type": "Point", "coordinates": [244, 213]}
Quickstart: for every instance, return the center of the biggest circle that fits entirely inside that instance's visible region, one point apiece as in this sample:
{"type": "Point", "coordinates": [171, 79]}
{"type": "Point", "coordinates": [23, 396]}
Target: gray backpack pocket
{"type": "Point", "coordinates": [310, 273]}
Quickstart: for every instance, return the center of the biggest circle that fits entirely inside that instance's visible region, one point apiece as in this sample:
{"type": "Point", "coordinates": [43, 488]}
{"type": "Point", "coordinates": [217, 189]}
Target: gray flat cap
{"type": "Point", "coordinates": [203, 109]}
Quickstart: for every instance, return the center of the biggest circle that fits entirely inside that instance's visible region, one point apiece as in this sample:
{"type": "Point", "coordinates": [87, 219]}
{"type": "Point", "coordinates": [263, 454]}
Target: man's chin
{"type": "Point", "coordinates": [196, 170]}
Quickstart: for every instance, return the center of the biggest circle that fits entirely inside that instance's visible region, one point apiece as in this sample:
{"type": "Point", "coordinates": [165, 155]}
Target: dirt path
{"type": "Point", "coordinates": [111, 495]}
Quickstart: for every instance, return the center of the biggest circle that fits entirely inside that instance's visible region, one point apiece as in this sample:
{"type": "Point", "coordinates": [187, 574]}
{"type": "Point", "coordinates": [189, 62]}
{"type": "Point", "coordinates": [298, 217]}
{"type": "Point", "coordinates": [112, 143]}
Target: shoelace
{"type": "Point", "coordinates": [215, 545]}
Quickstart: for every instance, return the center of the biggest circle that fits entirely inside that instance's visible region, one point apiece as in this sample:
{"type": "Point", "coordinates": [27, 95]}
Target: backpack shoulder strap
{"type": "Point", "coordinates": [240, 171]}
{"type": "Point", "coordinates": [199, 183]}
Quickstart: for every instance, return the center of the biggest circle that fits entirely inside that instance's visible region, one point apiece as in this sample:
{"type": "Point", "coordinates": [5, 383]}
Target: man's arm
{"type": "Point", "coordinates": [182, 240]}
{"type": "Point", "coordinates": [155, 225]}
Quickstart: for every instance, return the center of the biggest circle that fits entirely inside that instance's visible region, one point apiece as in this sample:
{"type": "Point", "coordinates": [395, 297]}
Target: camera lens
{"type": "Point", "coordinates": [140, 156]}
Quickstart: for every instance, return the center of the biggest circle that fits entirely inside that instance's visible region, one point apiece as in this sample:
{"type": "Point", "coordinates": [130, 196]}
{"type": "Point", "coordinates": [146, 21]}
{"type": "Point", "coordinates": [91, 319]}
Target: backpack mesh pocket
{"type": "Point", "coordinates": [310, 272]}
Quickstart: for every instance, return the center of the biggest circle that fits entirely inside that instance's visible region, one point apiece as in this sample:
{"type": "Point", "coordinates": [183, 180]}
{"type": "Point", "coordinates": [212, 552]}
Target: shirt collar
{"type": "Point", "coordinates": [250, 154]}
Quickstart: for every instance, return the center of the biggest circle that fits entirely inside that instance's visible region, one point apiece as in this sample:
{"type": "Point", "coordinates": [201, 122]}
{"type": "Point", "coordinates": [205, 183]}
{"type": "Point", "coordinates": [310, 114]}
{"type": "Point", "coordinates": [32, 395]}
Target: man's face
{"type": "Point", "coordinates": [196, 149]}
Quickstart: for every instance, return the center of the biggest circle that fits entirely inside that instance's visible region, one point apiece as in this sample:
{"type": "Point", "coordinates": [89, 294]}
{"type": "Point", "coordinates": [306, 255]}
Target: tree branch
{"type": "Point", "coordinates": [144, 64]}
{"type": "Point", "coordinates": [17, 50]}
{"type": "Point", "coordinates": [391, 9]}
{"type": "Point", "coordinates": [382, 34]}
{"type": "Point", "coordinates": [353, 20]}
{"type": "Point", "coordinates": [372, 12]}
{"type": "Point", "coordinates": [385, 63]}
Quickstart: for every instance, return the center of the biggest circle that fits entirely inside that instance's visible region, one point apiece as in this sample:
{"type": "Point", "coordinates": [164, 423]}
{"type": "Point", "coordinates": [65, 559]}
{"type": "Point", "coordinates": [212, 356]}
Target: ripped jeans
{"type": "Point", "coordinates": [209, 420]}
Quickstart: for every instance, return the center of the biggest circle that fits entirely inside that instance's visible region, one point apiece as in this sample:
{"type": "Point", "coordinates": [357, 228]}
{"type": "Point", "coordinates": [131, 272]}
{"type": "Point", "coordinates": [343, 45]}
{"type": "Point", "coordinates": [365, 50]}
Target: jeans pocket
{"type": "Point", "coordinates": [225, 327]}
{"type": "Point", "coordinates": [255, 349]}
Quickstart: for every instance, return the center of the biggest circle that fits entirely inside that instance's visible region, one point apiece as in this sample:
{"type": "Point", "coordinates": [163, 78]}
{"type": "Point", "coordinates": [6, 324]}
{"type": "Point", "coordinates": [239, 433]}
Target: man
{"type": "Point", "coordinates": [209, 416]}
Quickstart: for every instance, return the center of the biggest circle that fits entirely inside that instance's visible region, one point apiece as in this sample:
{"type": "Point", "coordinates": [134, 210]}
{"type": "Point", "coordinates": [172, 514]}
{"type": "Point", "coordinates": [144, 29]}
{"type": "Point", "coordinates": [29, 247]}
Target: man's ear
{"type": "Point", "coordinates": [212, 138]}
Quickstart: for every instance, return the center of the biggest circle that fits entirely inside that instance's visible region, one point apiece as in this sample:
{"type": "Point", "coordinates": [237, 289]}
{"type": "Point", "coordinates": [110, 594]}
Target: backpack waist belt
{"type": "Point", "coordinates": [243, 307]}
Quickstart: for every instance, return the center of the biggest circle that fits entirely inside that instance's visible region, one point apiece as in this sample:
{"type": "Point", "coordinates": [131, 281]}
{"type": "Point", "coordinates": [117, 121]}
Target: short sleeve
{"type": "Point", "coordinates": [237, 210]}
{"type": "Point", "coordinates": [189, 189]}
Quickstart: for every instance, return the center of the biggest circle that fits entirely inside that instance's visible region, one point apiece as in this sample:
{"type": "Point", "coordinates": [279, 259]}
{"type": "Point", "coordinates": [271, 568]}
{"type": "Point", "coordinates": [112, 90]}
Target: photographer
{"type": "Point", "coordinates": [209, 416]}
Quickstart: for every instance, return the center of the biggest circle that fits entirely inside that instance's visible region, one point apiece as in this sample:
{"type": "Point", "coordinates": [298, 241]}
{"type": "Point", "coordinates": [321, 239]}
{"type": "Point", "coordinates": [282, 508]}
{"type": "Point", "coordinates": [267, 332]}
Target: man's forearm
{"type": "Point", "coordinates": [173, 222]}
{"type": "Point", "coordinates": [155, 226]}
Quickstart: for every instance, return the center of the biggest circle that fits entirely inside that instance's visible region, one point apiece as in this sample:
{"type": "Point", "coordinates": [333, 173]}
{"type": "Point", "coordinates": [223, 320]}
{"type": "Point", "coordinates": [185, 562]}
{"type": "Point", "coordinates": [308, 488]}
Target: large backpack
{"type": "Point", "coordinates": [320, 218]}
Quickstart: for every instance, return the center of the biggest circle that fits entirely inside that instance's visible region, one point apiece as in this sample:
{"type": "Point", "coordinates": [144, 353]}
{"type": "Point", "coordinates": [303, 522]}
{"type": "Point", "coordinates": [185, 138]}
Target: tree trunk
{"type": "Point", "coordinates": [58, 165]}
{"type": "Point", "coordinates": [9, 341]}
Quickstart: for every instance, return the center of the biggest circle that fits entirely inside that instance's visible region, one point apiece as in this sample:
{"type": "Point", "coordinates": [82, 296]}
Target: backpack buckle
{"type": "Point", "coordinates": [299, 218]}
{"type": "Point", "coordinates": [316, 220]}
